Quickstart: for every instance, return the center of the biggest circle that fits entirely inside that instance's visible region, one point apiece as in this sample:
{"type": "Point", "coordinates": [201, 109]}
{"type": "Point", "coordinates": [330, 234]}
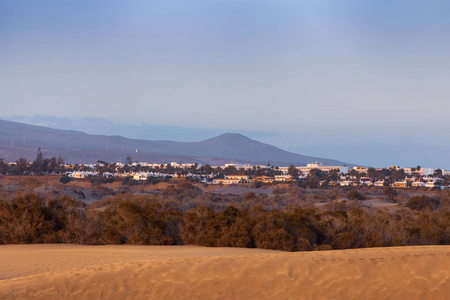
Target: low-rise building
{"type": "Point", "coordinates": [366, 183]}
{"type": "Point", "coordinates": [282, 178]}
{"type": "Point", "coordinates": [226, 181]}
{"type": "Point", "coordinates": [431, 184]}
{"type": "Point", "coordinates": [140, 176]}
{"type": "Point", "coordinates": [82, 174]}
{"type": "Point", "coordinates": [232, 179]}
{"type": "Point", "coordinates": [306, 169]}
{"type": "Point", "coordinates": [360, 169]}
{"type": "Point", "coordinates": [238, 177]}
{"type": "Point", "coordinates": [345, 183]}
{"type": "Point", "coordinates": [379, 183]}
{"type": "Point", "coordinates": [400, 184]}
{"type": "Point", "coordinates": [263, 179]}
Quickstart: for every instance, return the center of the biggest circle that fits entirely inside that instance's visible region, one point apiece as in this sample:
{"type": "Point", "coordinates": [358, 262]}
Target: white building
{"type": "Point", "coordinates": [81, 174]}
{"type": "Point", "coordinates": [305, 170]}
{"type": "Point", "coordinates": [431, 184]}
{"type": "Point", "coordinates": [379, 183]}
{"type": "Point", "coordinates": [282, 178]}
{"type": "Point", "coordinates": [343, 169]}
{"type": "Point", "coordinates": [360, 169]}
{"type": "Point", "coordinates": [345, 183]}
{"type": "Point", "coordinates": [427, 171]}
{"type": "Point", "coordinates": [140, 176]}
{"type": "Point", "coordinates": [400, 184]}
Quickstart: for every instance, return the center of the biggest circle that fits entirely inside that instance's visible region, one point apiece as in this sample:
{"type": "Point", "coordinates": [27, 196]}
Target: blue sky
{"type": "Point", "coordinates": [352, 80]}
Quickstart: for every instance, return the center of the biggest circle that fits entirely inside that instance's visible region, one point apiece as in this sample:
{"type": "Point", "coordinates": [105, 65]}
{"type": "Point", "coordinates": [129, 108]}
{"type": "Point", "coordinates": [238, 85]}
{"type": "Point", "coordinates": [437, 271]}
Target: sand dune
{"type": "Point", "coordinates": [188, 272]}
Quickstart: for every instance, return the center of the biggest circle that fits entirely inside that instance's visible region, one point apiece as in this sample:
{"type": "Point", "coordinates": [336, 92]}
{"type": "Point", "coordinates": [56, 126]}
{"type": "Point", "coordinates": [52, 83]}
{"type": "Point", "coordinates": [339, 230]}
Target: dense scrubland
{"type": "Point", "coordinates": [283, 216]}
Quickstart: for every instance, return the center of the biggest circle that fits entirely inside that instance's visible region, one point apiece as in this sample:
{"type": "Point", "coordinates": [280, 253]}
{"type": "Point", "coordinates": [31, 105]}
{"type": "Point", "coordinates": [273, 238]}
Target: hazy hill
{"type": "Point", "coordinates": [22, 140]}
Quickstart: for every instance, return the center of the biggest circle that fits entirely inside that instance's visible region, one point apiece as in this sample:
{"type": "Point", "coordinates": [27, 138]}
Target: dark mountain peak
{"type": "Point", "coordinates": [228, 138]}
{"type": "Point", "coordinates": [21, 140]}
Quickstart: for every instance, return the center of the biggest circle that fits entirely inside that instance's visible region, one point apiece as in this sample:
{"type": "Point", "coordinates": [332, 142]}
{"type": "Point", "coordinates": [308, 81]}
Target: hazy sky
{"type": "Point", "coordinates": [314, 72]}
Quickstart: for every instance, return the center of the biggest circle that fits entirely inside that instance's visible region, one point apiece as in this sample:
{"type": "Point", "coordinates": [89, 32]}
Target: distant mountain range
{"type": "Point", "coordinates": [22, 140]}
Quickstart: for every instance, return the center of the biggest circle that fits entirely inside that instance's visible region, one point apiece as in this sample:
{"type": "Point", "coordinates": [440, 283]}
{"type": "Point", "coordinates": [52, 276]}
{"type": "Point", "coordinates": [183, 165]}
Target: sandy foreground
{"type": "Point", "coordinates": [190, 272]}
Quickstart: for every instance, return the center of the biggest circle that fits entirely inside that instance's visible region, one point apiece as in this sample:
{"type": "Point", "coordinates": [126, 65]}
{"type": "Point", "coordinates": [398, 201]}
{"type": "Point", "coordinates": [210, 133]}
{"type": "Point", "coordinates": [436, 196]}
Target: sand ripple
{"type": "Point", "coordinates": [187, 272]}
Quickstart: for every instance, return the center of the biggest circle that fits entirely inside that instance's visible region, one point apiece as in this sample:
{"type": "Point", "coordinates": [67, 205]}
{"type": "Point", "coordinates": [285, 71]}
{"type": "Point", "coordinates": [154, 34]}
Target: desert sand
{"type": "Point", "coordinates": [190, 272]}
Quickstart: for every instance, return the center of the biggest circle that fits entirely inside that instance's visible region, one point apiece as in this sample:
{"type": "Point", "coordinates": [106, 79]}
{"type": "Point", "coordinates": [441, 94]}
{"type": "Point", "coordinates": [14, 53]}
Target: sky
{"type": "Point", "coordinates": [361, 81]}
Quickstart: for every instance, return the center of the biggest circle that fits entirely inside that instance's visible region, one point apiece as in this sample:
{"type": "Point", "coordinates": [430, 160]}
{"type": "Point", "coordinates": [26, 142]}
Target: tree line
{"type": "Point", "coordinates": [39, 166]}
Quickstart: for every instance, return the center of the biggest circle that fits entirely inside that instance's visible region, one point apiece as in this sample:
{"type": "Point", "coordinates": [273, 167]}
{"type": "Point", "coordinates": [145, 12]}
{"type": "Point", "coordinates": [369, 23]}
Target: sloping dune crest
{"type": "Point", "coordinates": [188, 272]}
